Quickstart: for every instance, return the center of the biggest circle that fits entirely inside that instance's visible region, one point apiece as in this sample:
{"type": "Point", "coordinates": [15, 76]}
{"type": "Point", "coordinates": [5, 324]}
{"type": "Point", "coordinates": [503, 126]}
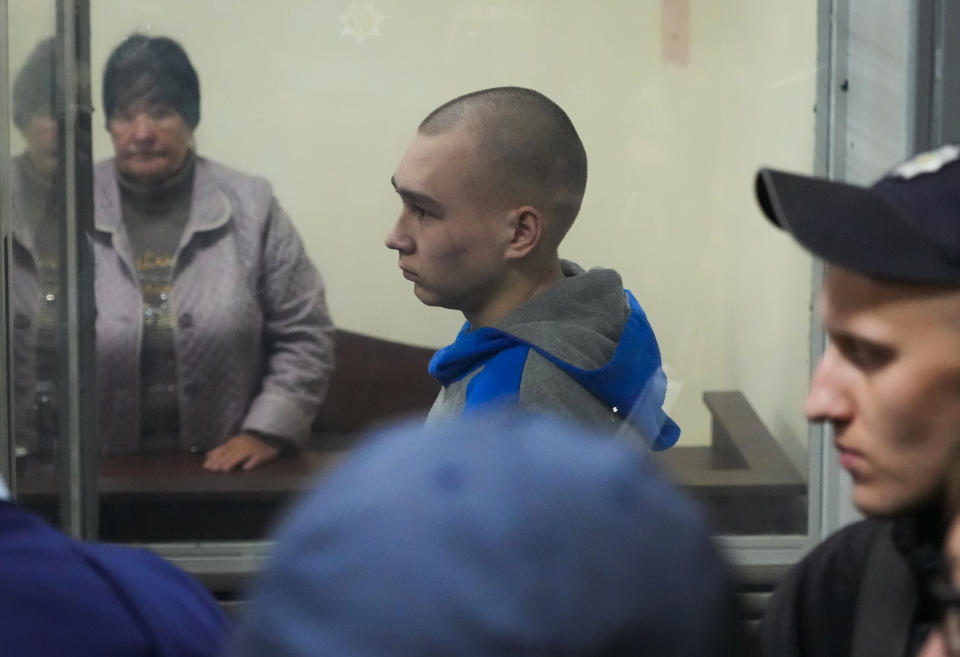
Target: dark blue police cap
{"type": "Point", "coordinates": [905, 227]}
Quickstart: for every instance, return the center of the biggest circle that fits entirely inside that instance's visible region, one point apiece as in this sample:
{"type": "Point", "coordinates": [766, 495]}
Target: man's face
{"type": "Point", "coordinates": [151, 141]}
{"type": "Point", "coordinates": [889, 383]}
{"type": "Point", "coordinates": [451, 236]}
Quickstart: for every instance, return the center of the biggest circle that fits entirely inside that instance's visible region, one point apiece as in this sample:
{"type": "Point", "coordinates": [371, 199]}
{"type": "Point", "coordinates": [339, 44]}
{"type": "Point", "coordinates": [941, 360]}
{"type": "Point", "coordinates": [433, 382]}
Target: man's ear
{"type": "Point", "coordinates": [528, 231]}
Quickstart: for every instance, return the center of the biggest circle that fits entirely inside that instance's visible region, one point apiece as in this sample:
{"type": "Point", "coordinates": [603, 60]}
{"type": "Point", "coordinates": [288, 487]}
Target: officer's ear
{"type": "Point", "coordinates": [528, 228]}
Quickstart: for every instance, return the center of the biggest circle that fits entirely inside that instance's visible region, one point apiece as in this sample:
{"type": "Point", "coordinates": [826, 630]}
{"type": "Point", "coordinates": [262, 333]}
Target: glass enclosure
{"type": "Point", "coordinates": [678, 102]}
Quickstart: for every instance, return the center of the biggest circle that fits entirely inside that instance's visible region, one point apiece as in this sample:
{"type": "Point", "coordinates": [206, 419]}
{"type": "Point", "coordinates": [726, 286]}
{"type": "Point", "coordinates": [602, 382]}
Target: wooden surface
{"type": "Point", "coordinates": [181, 475]}
{"type": "Point", "coordinates": [374, 381]}
{"type": "Point", "coordinates": [171, 498]}
{"type": "Point", "coordinates": [744, 481]}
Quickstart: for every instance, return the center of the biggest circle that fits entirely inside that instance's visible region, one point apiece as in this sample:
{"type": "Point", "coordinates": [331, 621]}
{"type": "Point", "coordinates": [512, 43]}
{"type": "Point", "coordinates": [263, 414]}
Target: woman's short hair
{"type": "Point", "coordinates": [152, 69]}
{"type": "Point", "coordinates": [33, 88]}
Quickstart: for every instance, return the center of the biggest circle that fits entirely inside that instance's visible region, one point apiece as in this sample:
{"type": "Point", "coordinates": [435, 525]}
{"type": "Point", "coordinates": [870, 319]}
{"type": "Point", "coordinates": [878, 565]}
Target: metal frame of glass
{"type": "Point", "coordinates": [77, 409]}
{"type": "Point", "coordinates": [7, 458]}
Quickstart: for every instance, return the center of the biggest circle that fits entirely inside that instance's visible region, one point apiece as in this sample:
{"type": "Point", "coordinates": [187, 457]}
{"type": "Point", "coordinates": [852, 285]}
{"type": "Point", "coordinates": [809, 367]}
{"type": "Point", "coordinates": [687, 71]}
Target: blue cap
{"type": "Point", "coordinates": [905, 228]}
{"type": "Point", "coordinates": [503, 534]}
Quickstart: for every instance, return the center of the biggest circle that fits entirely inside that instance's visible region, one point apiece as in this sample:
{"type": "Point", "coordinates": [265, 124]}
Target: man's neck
{"type": "Point", "coordinates": [519, 288]}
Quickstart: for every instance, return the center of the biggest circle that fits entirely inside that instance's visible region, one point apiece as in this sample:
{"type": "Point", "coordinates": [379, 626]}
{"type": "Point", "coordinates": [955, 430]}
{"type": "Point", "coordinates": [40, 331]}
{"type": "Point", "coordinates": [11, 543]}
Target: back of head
{"type": "Point", "coordinates": [33, 88]}
{"type": "Point", "coordinates": [527, 146]}
{"type": "Point", "coordinates": [493, 535]}
{"type": "Point", "coordinates": [151, 69]}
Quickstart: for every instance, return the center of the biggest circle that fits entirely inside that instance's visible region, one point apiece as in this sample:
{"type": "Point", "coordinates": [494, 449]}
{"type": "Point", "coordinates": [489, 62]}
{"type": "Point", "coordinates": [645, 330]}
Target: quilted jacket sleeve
{"type": "Point", "coordinates": [298, 336]}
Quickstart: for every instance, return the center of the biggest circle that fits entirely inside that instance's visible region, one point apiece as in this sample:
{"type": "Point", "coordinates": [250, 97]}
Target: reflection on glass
{"type": "Point", "coordinates": [34, 272]}
{"type": "Point", "coordinates": [35, 235]}
{"type": "Point", "coordinates": [35, 283]}
{"type": "Point", "coordinates": [213, 335]}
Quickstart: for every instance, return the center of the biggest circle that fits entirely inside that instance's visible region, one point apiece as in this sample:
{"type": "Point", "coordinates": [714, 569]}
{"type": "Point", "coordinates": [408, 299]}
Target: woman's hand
{"type": "Point", "coordinates": [242, 450]}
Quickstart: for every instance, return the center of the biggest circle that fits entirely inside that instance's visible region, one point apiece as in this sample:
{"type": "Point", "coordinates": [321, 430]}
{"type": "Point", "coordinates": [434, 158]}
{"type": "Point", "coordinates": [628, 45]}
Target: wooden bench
{"type": "Point", "coordinates": [375, 381]}
{"type": "Point", "coordinates": [743, 479]}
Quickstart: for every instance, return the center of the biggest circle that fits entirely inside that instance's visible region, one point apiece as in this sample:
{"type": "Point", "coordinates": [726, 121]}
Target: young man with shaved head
{"type": "Point", "coordinates": [490, 184]}
{"type": "Point", "coordinates": [889, 385]}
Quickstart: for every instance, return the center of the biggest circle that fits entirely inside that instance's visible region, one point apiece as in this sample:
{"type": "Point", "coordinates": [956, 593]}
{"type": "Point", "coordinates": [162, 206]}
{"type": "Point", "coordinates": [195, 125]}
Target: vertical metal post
{"type": "Point", "coordinates": [898, 52]}
{"type": "Point", "coordinates": [921, 80]}
{"type": "Point", "coordinates": [945, 110]}
{"type": "Point", "coordinates": [830, 506]}
{"type": "Point", "coordinates": [77, 406]}
{"type": "Point", "coordinates": [7, 458]}
{"type": "Point", "coordinates": [828, 26]}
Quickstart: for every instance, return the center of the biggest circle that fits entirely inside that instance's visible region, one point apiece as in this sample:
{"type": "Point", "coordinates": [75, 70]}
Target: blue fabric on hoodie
{"type": "Point", "coordinates": [60, 596]}
{"type": "Point", "coordinates": [632, 381]}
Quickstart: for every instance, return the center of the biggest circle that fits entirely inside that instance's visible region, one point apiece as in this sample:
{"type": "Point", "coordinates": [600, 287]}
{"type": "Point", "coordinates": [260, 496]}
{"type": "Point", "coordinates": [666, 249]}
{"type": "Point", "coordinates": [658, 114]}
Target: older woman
{"type": "Point", "coordinates": [212, 330]}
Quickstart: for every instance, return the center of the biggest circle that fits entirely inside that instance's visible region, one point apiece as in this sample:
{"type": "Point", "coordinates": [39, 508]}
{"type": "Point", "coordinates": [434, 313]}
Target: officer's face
{"type": "Point", "coordinates": [889, 383]}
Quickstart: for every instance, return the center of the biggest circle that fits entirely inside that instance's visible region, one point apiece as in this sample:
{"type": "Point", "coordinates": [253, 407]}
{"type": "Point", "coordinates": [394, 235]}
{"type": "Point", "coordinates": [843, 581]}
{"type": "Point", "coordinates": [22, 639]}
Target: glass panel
{"type": "Point", "coordinates": [677, 102]}
{"type": "Point", "coordinates": [34, 278]}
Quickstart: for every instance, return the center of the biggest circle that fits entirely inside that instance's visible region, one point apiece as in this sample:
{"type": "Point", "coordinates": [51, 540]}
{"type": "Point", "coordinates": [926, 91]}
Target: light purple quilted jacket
{"type": "Point", "coordinates": [253, 338]}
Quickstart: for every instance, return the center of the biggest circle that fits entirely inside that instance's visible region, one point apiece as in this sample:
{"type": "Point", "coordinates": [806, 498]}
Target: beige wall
{"type": "Point", "coordinates": [672, 151]}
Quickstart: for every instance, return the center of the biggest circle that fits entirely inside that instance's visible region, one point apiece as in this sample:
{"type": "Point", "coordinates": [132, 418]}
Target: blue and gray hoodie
{"type": "Point", "coordinates": [582, 348]}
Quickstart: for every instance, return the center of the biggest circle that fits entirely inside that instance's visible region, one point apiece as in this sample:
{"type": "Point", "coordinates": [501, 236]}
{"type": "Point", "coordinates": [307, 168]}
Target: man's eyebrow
{"type": "Point", "coordinates": [428, 202]}
{"type": "Point", "coordinates": [847, 337]}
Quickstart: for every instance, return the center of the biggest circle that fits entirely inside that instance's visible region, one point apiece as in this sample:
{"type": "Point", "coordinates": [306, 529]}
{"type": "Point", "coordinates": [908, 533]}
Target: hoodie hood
{"type": "Point", "coordinates": [588, 326]}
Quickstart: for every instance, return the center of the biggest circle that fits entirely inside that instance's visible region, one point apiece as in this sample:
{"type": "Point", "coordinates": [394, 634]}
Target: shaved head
{"type": "Point", "coordinates": [527, 150]}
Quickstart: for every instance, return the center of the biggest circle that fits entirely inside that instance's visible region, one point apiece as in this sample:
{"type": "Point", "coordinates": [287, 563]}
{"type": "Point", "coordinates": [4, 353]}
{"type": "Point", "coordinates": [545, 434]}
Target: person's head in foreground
{"type": "Point", "coordinates": [493, 535]}
{"type": "Point", "coordinates": [889, 380]}
{"type": "Point", "coordinates": [490, 185]}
